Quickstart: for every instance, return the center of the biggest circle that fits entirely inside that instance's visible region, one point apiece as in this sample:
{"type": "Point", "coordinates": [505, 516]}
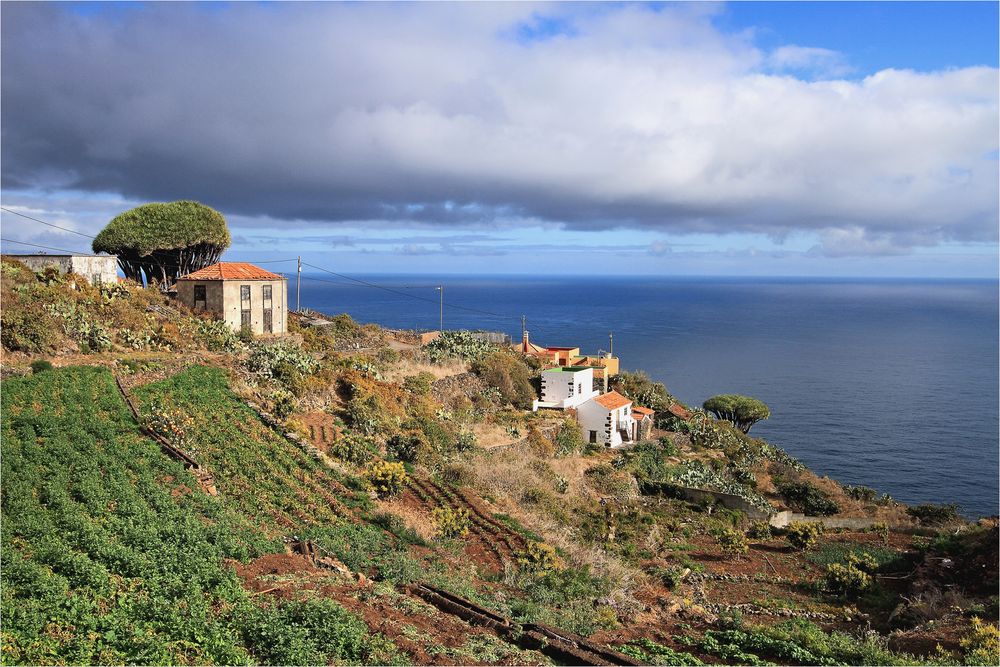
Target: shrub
{"type": "Point", "coordinates": [539, 558]}
{"type": "Point", "coordinates": [862, 493]}
{"type": "Point", "coordinates": [569, 439]}
{"type": "Point", "coordinates": [408, 446]}
{"type": "Point", "coordinates": [802, 535]}
{"type": "Point", "coordinates": [170, 423]}
{"type": "Point", "coordinates": [24, 331]}
{"type": "Point", "coordinates": [451, 522]}
{"type": "Point", "coordinates": [386, 478]}
{"type": "Point", "coordinates": [649, 652]}
{"type": "Point", "coordinates": [982, 644]}
{"type": "Point", "coordinates": [419, 384]}
{"type": "Point", "coordinates": [606, 480]}
{"type": "Point", "coordinates": [508, 373]}
{"type": "Point", "coordinates": [282, 403]}
{"type": "Point", "coordinates": [217, 336]}
{"type": "Point", "coordinates": [929, 514]}
{"type": "Point", "coordinates": [465, 441]}
{"type": "Point", "coordinates": [458, 345]}
{"type": "Point", "coordinates": [539, 444]}
{"type": "Point", "coordinates": [882, 530]}
{"type": "Point", "coordinates": [732, 541]}
{"type": "Point", "coordinates": [278, 360]}
{"type": "Point", "coordinates": [41, 365]}
{"type": "Point", "coordinates": [352, 448]}
{"type": "Point", "coordinates": [851, 577]}
{"type": "Point", "coordinates": [760, 530]}
{"type": "Point", "coordinates": [807, 498]}
{"type": "Point", "coordinates": [365, 412]}
{"type": "Point", "coordinates": [670, 576]}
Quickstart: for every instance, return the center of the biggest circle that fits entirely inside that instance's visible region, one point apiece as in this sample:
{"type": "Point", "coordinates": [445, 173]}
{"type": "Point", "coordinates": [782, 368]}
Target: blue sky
{"type": "Point", "coordinates": [778, 138]}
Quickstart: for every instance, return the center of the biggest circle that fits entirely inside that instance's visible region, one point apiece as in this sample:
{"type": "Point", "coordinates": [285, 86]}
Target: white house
{"type": "Point", "coordinates": [566, 387]}
{"type": "Point", "coordinates": [607, 419]}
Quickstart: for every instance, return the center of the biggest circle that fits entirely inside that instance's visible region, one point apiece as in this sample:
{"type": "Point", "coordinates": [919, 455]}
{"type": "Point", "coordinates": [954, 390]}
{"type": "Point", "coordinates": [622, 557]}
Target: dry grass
{"type": "Point", "coordinates": [491, 435]}
{"type": "Point", "coordinates": [508, 476]}
{"type": "Point", "coordinates": [417, 520]}
{"type": "Point", "coordinates": [406, 367]}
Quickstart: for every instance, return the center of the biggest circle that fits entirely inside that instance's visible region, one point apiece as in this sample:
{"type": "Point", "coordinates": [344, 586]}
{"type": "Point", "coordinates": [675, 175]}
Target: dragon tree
{"type": "Point", "coordinates": [156, 243]}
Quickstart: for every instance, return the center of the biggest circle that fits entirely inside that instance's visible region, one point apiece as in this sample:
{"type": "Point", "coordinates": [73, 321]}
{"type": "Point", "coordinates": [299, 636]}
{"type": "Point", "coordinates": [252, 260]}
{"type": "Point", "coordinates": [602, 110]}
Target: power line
{"type": "Point", "coordinates": [65, 229]}
{"type": "Point", "coordinates": [36, 245]}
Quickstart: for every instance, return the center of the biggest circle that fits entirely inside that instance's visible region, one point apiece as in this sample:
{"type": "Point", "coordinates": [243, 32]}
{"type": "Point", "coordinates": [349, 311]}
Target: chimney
{"type": "Point", "coordinates": [524, 341]}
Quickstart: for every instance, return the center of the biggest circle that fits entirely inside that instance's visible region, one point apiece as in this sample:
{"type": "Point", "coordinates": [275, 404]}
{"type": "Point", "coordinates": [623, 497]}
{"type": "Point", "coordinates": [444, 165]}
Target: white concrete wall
{"type": "Point", "coordinates": [593, 416]}
{"type": "Point", "coordinates": [95, 268]}
{"type": "Point", "coordinates": [563, 389]}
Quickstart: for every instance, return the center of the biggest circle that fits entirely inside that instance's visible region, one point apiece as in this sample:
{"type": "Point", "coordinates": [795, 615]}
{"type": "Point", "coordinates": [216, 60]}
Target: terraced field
{"type": "Point", "coordinates": [112, 555]}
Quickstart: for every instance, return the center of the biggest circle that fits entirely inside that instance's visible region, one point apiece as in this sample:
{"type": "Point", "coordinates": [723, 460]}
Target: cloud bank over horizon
{"type": "Point", "coordinates": [476, 115]}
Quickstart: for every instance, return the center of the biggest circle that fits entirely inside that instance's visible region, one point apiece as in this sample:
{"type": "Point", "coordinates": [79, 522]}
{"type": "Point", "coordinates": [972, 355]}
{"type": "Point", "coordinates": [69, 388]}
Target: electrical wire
{"type": "Point", "coordinates": [65, 229]}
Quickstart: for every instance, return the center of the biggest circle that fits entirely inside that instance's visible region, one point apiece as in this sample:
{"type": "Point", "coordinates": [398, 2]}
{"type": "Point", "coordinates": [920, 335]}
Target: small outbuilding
{"type": "Point", "coordinates": [97, 269]}
{"type": "Point", "coordinates": [243, 295]}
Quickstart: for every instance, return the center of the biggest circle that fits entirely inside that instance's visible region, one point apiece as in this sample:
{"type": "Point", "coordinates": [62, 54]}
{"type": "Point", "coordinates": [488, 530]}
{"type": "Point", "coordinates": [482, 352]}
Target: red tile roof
{"type": "Point", "coordinates": [612, 400]}
{"type": "Point", "coordinates": [641, 411]}
{"type": "Point", "coordinates": [680, 411]}
{"type": "Point", "coordinates": [232, 271]}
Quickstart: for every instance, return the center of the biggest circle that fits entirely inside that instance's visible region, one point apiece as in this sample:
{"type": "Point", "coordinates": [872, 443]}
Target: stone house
{"type": "Point", "coordinates": [241, 294]}
{"type": "Point", "coordinates": [95, 268]}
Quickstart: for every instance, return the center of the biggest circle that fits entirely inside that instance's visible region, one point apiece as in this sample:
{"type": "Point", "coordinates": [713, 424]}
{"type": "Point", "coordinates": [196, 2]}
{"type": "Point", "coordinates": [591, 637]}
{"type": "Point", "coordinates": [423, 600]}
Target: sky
{"type": "Point", "coordinates": [725, 139]}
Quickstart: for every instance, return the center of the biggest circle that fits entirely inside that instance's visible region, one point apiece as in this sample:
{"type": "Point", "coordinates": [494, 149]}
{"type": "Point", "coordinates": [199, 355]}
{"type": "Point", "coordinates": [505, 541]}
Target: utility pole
{"type": "Point", "coordinates": [440, 289]}
{"type": "Point", "coordinates": [611, 343]}
{"type": "Point", "coordinates": [298, 287]}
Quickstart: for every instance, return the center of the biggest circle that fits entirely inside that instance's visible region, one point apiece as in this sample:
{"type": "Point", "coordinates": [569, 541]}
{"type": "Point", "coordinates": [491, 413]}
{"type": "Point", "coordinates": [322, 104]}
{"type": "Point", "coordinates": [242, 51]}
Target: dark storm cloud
{"type": "Point", "coordinates": [461, 115]}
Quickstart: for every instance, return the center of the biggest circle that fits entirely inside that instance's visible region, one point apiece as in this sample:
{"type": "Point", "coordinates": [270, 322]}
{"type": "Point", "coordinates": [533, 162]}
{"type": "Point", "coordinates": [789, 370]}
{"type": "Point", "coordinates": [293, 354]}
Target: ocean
{"type": "Point", "coordinates": [892, 384]}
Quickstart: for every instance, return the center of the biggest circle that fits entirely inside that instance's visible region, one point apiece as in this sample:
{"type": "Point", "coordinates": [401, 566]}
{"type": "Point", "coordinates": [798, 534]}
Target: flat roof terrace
{"type": "Point", "coordinates": [567, 369]}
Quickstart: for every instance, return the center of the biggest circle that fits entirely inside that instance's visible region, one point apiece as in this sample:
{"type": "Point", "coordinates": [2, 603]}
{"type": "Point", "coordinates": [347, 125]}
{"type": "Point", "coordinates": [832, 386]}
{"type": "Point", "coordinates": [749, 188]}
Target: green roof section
{"type": "Point", "coordinates": [567, 369]}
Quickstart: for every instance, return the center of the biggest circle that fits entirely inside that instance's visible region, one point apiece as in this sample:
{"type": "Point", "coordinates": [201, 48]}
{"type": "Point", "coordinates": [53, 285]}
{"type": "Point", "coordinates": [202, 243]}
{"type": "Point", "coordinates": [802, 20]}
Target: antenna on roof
{"type": "Point", "coordinates": [611, 343]}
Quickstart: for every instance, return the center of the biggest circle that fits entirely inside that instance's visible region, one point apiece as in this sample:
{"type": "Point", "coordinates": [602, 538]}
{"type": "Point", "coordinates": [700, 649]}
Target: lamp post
{"type": "Point", "coordinates": [440, 288]}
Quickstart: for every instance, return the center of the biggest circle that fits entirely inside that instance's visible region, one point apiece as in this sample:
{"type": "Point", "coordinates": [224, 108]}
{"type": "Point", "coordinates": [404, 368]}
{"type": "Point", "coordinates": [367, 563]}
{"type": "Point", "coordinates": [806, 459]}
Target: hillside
{"type": "Point", "coordinates": [361, 481]}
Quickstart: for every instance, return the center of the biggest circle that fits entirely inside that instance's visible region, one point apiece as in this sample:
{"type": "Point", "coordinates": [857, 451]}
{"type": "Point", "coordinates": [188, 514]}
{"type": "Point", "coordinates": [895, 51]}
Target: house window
{"type": "Point", "coordinates": [95, 280]}
{"type": "Point", "coordinates": [570, 388]}
{"type": "Point", "coordinates": [266, 293]}
{"type": "Point", "coordinates": [593, 436]}
{"type": "Point", "coordinates": [268, 326]}
{"type": "Point", "coordinates": [245, 321]}
{"type": "Point", "coordinates": [199, 297]}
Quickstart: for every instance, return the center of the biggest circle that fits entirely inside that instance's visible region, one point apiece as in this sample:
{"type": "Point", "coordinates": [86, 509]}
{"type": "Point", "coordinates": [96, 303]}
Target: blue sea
{"type": "Point", "coordinates": [891, 384]}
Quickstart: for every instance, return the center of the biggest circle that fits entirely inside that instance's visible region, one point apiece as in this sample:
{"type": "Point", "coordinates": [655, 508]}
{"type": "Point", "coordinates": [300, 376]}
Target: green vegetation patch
{"type": "Point", "coordinates": [112, 555]}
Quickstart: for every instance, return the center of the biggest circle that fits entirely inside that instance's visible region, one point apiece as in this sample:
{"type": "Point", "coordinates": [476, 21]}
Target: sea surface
{"type": "Point", "coordinates": [891, 384]}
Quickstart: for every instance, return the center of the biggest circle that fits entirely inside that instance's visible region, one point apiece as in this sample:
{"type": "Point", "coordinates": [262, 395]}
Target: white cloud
{"type": "Point", "coordinates": [809, 59]}
{"type": "Point", "coordinates": [434, 112]}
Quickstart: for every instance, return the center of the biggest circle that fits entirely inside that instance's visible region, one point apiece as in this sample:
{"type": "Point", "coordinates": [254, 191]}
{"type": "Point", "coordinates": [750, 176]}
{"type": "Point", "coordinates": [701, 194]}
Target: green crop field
{"type": "Point", "coordinates": [111, 554]}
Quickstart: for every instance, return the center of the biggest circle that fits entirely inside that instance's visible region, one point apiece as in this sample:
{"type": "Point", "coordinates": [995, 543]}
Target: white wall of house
{"type": "Point", "coordinates": [565, 388]}
{"type": "Point", "coordinates": [95, 268]}
{"type": "Point", "coordinates": [601, 425]}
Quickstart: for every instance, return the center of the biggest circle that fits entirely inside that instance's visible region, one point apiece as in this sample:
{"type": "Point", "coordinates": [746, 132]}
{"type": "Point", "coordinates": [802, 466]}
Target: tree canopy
{"type": "Point", "coordinates": [162, 241]}
{"type": "Point", "coordinates": [742, 411]}
{"type": "Point", "coordinates": [640, 388]}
